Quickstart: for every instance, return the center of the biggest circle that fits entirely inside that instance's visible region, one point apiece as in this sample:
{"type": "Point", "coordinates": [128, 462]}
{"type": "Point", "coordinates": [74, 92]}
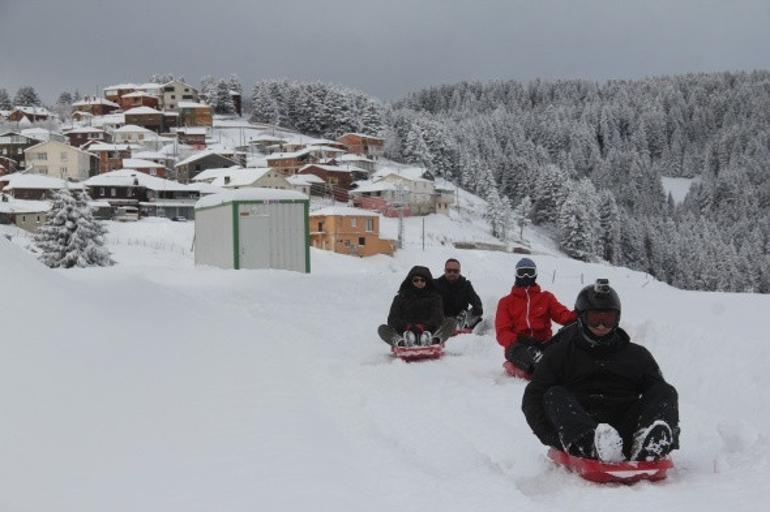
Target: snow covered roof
{"type": "Point", "coordinates": [292, 154]}
{"type": "Point", "coordinates": [331, 168]}
{"type": "Point", "coordinates": [37, 111]}
{"type": "Point", "coordinates": [344, 211]}
{"type": "Point", "coordinates": [266, 138]}
{"type": "Point", "coordinates": [304, 179]}
{"type": "Point", "coordinates": [205, 188]}
{"type": "Point", "coordinates": [11, 205]}
{"type": "Point", "coordinates": [100, 146]}
{"type": "Point", "coordinates": [329, 149]}
{"type": "Point", "coordinates": [249, 194]}
{"type": "Point", "coordinates": [38, 181]}
{"type": "Point", "coordinates": [85, 129]}
{"type": "Point", "coordinates": [141, 111]}
{"type": "Point", "coordinates": [138, 163]}
{"type": "Point", "coordinates": [150, 155]}
{"type": "Point", "coordinates": [409, 173]}
{"type": "Point", "coordinates": [362, 135]}
{"type": "Point", "coordinates": [371, 186]}
{"type": "Point", "coordinates": [149, 86]}
{"type": "Point", "coordinates": [210, 174]}
{"type": "Point", "coordinates": [95, 101]}
{"type": "Point", "coordinates": [240, 177]}
{"type": "Point", "coordinates": [138, 94]}
{"type": "Point", "coordinates": [131, 177]}
{"type": "Point", "coordinates": [132, 128]}
{"type": "Point", "coordinates": [60, 144]}
{"type": "Point", "coordinates": [116, 119]}
{"type": "Point", "coordinates": [352, 157]}
{"type": "Point", "coordinates": [191, 104]}
{"type": "Point", "coordinates": [40, 134]}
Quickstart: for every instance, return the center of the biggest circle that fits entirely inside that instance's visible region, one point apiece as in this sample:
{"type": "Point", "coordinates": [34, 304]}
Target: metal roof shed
{"type": "Point", "coordinates": [253, 228]}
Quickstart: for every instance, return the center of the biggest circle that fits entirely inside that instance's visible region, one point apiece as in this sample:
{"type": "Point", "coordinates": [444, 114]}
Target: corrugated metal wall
{"type": "Point", "coordinates": [214, 236]}
{"type": "Point", "coordinates": [272, 235]}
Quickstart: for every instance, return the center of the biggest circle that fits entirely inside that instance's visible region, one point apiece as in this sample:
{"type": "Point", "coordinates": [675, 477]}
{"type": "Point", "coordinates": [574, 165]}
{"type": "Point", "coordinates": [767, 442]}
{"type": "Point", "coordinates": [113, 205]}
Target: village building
{"type": "Point", "coordinates": [195, 114]}
{"type": "Point", "coordinates": [338, 180]}
{"type": "Point", "coordinates": [191, 166]}
{"type": "Point", "coordinates": [95, 106]}
{"type": "Point", "coordinates": [145, 166]}
{"type": "Point", "coordinates": [60, 160]}
{"type": "Point", "coordinates": [307, 184]}
{"type": "Point", "coordinates": [153, 196]}
{"type": "Point", "coordinates": [13, 144]}
{"type": "Point", "coordinates": [194, 136]}
{"type": "Point", "coordinates": [139, 99]}
{"type": "Point", "coordinates": [366, 145]}
{"type": "Point", "coordinates": [348, 230]}
{"type": "Point", "coordinates": [177, 91]}
{"type": "Point", "coordinates": [290, 163]}
{"type": "Point", "coordinates": [149, 118]}
{"type": "Point", "coordinates": [30, 114]}
{"type": "Point", "coordinates": [28, 215]}
{"type": "Point", "coordinates": [79, 136]}
{"type": "Point", "coordinates": [110, 156]}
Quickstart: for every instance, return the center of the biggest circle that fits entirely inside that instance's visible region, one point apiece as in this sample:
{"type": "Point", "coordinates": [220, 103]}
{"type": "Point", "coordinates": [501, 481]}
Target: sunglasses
{"type": "Point", "coordinates": [526, 272]}
{"type": "Point", "coordinates": [606, 317]}
{"type": "Point", "coordinates": [418, 280]}
{"type": "Point", "coordinates": [452, 270]}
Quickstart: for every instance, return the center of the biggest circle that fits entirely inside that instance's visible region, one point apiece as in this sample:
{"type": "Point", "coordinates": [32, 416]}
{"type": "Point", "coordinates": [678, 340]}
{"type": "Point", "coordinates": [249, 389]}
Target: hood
{"type": "Point", "coordinates": [421, 271]}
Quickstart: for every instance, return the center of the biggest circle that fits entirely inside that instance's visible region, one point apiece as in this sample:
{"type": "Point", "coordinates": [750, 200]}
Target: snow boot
{"type": "Point", "coordinates": [390, 336]}
{"type": "Point", "coordinates": [426, 338]}
{"type": "Point", "coordinates": [410, 339]}
{"type": "Point", "coordinates": [608, 445]}
{"type": "Point", "coordinates": [444, 332]}
{"type": "Point", "coordinates": [653, 442]}
{"type": "Point", "coordinates": [581, 446]}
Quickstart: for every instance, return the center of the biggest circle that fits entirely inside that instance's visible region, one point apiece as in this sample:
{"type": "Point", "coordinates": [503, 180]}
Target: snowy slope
{"type": "Point", "coordinates": [158, 386]}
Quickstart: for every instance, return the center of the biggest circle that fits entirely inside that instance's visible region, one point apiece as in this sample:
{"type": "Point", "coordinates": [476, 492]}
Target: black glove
{"type": "Point", "coordinates": [526, 340]}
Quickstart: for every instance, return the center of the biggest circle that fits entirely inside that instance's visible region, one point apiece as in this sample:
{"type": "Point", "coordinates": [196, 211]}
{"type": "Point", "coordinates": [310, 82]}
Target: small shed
{"type": "Point", "coordinates": [253, 228]}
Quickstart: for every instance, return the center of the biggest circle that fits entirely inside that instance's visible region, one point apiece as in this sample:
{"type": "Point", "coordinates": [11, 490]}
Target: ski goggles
{"type": "Point", "coordinates": [526, 272]}
{"type": "Point", "coordinates": [606, 317]}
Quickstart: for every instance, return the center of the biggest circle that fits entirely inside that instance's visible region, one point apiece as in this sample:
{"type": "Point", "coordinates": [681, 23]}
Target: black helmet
{"type": "Point", "coordinates": [599, 295]}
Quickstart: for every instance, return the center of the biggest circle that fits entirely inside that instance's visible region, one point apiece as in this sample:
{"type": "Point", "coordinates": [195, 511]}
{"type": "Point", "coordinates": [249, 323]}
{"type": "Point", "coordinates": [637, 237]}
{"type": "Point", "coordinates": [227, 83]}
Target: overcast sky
{"type": "Point", "coordinates": [386, 47]}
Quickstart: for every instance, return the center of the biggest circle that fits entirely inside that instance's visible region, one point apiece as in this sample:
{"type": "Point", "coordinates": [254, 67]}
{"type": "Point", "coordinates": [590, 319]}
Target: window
{"type": "Point", "coordinates": [320, 226]}
{"type": "Point", "coordinates": [42, 156]}
{"type": "Point", "coordinates": [173, 96]}
{"type": "Point", "coordinates": [112, 192]}
{"type": "Point", "coordinates": [370, 224]}
{"type": "Point", "coordinates": [353, 222]}
{"type": "Point", "coordinates": [361, 241]}
{"type": "Point", "coordinates": [63, 171]}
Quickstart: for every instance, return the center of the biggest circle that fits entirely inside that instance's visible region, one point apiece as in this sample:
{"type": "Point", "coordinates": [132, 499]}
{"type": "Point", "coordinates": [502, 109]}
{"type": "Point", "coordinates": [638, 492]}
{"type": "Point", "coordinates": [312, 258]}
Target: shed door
{"type": "Point", "coordinates": [255, 241]}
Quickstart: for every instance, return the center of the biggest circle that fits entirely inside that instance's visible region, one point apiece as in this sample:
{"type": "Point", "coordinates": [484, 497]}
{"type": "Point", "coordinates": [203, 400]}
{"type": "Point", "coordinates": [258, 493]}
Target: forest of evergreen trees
{"type": "Point", "coordinates": [588, 157]}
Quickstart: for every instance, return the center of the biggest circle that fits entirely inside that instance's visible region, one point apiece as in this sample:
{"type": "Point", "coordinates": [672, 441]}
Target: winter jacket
{"type": "Point", "coordinates": [528, 312]}
{"type": "Point", "coordinates": [413, 306]}
{"type": "Point", "coordinates": [457, 295]}
{"type": "Point", "coordinates": [606, 378]}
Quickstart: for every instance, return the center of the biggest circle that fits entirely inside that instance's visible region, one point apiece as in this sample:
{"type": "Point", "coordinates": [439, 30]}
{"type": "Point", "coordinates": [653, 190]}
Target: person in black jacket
{"type": "Point", "coordinates": [596, 394]}
{"type": "Point", "coordinates": [417, 311]}
{"type": "Point", "coordinates": [458, 295]}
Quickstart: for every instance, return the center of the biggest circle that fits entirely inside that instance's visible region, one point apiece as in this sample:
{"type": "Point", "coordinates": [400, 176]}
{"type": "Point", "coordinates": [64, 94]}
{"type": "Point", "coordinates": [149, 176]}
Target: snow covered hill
{"type": "Point", "coordinates": [158, 386]}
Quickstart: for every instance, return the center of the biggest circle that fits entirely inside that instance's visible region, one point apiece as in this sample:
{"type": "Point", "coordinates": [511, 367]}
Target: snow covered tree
{"type": "Point", "coordinates": [415, 149]}
{"type": "Point", "coordinates": [26, 96]}
{"type": "Point", "coordinates": [71, 237]}
{"type": "Point", "coordinates": [609, 227]}
{"type": "Point", "coordinates": [578, 221]}
{"type": "Point", "coordinates": [5, 100]}
{"type": "Point", "coordinates": [221, 101]}
{"type": "Point", "coordinates": [522, 214]}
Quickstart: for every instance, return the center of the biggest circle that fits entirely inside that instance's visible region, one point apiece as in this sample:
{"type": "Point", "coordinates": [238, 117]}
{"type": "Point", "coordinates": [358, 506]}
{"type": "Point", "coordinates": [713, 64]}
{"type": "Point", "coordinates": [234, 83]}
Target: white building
{"type": "Point", "coordinates": [60, 160]}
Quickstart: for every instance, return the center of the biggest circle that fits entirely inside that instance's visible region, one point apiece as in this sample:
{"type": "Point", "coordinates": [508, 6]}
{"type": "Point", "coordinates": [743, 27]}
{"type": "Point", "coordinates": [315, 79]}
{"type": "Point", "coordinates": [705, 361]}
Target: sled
{"type": "Point", "coordinates": [514, 371]}
{"type": "Point", "coordinates": [626, 472]}
{"type": "Point", "coordinates": [418, 353]}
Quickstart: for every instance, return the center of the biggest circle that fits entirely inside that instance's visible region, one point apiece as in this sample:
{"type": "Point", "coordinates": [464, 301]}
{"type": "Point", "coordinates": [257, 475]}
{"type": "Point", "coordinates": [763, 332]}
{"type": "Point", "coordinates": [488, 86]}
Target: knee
{"type": "Point", "coordinates": [555, 394]}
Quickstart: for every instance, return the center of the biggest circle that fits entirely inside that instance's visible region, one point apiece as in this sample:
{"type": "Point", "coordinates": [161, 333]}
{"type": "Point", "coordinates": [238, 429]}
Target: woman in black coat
{"type": "Point", "coordinates": [417, 310]}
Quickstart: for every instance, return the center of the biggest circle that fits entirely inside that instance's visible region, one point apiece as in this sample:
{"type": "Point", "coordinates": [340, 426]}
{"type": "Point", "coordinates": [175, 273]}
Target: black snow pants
{"type": "Point", "coordinates": [575, 424]}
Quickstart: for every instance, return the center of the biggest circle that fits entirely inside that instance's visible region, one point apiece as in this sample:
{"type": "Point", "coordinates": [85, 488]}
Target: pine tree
{"type": "Point", "coordinates": [26, 96]}
{"type": "Point", "coordinates": [578, 221]}
{"type": "Point", "coordinates": [522, 214]}
{"type": "Point", "coordinates": [221, 101]}
{"type": "Point", "coordinates": [71, 237]}
{"type": "Point", "coordinates": [5, 100]}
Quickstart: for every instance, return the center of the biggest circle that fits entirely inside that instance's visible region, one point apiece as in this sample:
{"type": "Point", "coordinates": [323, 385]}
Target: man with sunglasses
{"type": "Point", "coordinates": [458, 295]}
{"type": "Point", "coordinates": [523, 319]}
{"type": "Point", "coordinates": [596, 394]}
